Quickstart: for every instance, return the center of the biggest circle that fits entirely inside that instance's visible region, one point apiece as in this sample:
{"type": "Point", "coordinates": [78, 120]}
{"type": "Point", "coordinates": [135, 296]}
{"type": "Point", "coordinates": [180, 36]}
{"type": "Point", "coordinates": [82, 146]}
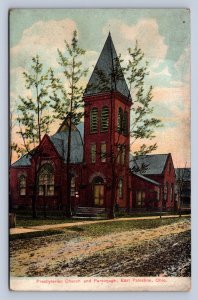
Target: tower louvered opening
{"type": "Point", "coordinates": [120, 116]}
{"type": "Point", "coordinates": [125, 123]}
{"type": "Point", "coordinates": [104, 118]}
{"type": "Point", "coordinates": [94, 120]}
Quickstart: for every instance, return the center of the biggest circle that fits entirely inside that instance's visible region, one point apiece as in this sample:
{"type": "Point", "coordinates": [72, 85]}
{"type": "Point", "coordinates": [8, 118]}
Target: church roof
{"type": "Point", "coordinates": [60, 140]}
{"type": "Point", "coordinates": [147, 179]}
{"type": "Point", "coordinates": [154, 164]}
{"type": "Point", "coordinates": [24, 161]}
{"type": "Point", "coordinates": [107, 75]}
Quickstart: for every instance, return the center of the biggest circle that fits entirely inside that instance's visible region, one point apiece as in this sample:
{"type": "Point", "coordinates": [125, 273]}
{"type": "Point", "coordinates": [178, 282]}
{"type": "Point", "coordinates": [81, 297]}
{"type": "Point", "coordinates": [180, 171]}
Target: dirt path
{"type": "Point", "coordinates": [19, 230]}
{"type": "Point", "coordinates": [55, 256]}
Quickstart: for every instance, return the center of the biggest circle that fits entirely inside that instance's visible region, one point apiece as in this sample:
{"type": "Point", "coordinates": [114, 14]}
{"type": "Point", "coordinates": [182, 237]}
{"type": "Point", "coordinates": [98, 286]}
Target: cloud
{"type": "Point", "coordinates": [164, 72]}
{"type": "Point", "coordinates": [42, 38]}
{"type": "Point", "coordinates": [172, 103]}
{"type": "Point", "coordinates": [151, 42]}
{"type": "Point", "coordinates": [175, 110]}
{"type": "Point", "coordinates": [182, 66]}
{"type": "Point", "coordinates": [145, 31]}
{"type": "Point", "coordinates": [172, 107]}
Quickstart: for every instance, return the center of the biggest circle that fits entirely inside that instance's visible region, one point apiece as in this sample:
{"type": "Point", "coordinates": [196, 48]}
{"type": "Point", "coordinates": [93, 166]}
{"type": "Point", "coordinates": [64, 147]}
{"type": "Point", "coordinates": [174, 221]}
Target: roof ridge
{"type": "Point", "coordinates": [104, 71]}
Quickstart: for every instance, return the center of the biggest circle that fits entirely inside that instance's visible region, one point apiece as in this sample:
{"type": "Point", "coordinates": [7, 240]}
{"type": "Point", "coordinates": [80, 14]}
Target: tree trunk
{"type": "Point", "coordinates": [111, 211]}
{"type": "Point", "coordinates": [68, 192]}
{"type": "Point", "coordinates": [34, 213]}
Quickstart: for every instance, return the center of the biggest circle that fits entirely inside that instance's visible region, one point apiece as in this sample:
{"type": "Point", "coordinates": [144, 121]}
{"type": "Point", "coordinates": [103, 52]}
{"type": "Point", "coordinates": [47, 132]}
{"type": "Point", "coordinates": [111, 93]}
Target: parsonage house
{"type": "Point", "coordinates": [101, 163]}
{"type": "Point", "coordinates": [183, 188]}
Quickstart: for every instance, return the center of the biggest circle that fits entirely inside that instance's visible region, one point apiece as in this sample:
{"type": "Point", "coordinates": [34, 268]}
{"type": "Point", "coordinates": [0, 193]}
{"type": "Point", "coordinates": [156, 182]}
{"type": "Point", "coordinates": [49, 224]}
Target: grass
{"type": "Point", "coordinates": [137, 214]}
{"type": "Point", "coordinates": [35, 234]}
{"type": "Point", "coordinates": [99, 229]}
{"type": "Point", "coordinates": [104, 228]}
{"type": "Point", "coordinates": [37, 222]}
{"type": "Point", "coordinates": [27, 221]}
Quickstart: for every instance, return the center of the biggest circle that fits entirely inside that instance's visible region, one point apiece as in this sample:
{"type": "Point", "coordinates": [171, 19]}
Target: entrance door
{"type": "Point", "coordinates": [98, 191]}
{"type": "Point", "coordinates": [98, 194]}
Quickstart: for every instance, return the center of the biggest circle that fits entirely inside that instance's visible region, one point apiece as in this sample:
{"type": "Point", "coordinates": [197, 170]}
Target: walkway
{"type": "Point", "coordinates": [19, 230]}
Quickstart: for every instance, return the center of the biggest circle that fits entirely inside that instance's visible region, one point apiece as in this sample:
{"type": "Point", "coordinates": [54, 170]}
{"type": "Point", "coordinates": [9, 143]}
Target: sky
{"type": "Point", "coordinates": [162, 34]}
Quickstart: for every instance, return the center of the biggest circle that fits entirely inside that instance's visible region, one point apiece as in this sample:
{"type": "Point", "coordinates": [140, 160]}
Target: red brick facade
{"type": "Point", "coordinates": [100, 159]}
{"type": "Point", "coordinates": [155, 191]}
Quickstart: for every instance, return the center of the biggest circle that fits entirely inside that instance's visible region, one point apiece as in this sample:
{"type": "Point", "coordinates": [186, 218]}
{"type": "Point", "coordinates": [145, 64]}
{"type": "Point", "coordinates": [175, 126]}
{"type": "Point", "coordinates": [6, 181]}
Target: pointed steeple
{"type": "Point", "coordinates": [107, 75]}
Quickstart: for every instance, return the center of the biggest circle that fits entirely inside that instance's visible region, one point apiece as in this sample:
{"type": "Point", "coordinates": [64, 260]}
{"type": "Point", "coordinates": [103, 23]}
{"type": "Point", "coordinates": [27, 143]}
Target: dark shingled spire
{"type": "Point", "coordinates": [107, 75]}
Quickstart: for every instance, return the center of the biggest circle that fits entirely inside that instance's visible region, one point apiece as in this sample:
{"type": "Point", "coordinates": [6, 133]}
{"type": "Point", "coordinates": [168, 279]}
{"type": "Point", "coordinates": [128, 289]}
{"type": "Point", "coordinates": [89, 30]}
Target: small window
{"type": "Point", "coordinates": [158, 194]}
{"type": "Point", "coordinates": [94, 120]}
{"type": "Point", "coordinates": [103, 152]}
{"type": "Point", "coordinates": [93, 153]}
{"type": "Point", "coordinates": [120, 116]}
{"type": "Point", "coordinates": [125, 123]}
{"type": "Point", "coordinates": [119, 154]}
{"type": "Point", "coordinates": [46, 180]}
{"type": "Point", "coordinates": [140, 198]}
{"type": "Point", "coordinates": [123, 154]}
{"type": "Point", "coordinates": [104, 122]}
{"type": "Point", "coordinates": [120, 188]}
{"type": "Point", "coordinates": [73, 186]}
{"type": "Point", "coordinates": [22, 185]}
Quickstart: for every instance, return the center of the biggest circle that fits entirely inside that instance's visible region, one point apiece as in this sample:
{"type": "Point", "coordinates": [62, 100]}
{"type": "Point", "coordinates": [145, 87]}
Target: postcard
{"type": "Point", "coordinates": [100, 159]}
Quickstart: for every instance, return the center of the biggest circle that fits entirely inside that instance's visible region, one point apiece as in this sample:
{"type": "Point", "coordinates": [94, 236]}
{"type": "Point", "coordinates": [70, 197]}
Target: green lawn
{"type": "Point", "coordinates": [104, 228]}
{"type": "Point", "coordinates": [35, 234]}
{"type": "Point", "coordinates": [98, 229]}
{"type": "Point", "coordinates": [38, 222]}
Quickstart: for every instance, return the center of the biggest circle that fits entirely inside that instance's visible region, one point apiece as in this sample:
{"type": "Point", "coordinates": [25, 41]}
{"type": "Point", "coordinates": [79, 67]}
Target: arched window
{"type": "Point", "coordinates": [94, 120]}
{"type": "Point", "coordinates": [120, 188]}
{"type": "Point", "coordinates": [22, 185]}
{"type": "Point", "coordinates": [120, 116]}
{"type": "Point", "coordinates": [104, 121]}
{"type": "Point", "coordinates": [46, 180]}
{"type": "Point", "coordinates": [125, 123]}
{"type": "Point", "coordinates": [98, 180]}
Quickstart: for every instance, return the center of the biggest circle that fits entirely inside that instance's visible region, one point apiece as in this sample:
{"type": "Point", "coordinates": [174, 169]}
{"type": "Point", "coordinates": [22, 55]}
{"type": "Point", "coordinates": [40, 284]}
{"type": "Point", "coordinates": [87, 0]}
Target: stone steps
{"type": "Point", "coordinates": [89, 212]}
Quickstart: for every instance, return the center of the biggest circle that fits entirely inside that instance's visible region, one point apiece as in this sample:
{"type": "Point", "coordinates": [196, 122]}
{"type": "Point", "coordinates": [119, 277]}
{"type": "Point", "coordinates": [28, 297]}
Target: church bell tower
{"type": "Point", "coordinates": [107, 103]}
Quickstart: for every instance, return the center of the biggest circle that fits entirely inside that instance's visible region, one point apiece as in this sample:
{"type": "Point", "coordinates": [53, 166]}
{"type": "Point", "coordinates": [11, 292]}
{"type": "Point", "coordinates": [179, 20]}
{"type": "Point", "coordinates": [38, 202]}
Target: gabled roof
{"type": "Point", "coordinates": [107, 75]}
{"type": "Point", "coordinates": [24, 161]}
{"type": "Point", "coordinates": [147, 179]}
{"type": "Point", "coordinates": [60, 142]}
{"type": "Point", "coordinates": [154, 164]}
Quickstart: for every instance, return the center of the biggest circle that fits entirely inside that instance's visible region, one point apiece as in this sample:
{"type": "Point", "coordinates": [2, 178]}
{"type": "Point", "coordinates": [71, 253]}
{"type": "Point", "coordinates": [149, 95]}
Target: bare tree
{"type": "Point", "coordinates": [143, 124]}
{"type": "Point", "coordinates": [180, 180]}
{"type": "Point", "coordinates": [33, 118]}
{"type": "Point", "coordinates": [67, 102]}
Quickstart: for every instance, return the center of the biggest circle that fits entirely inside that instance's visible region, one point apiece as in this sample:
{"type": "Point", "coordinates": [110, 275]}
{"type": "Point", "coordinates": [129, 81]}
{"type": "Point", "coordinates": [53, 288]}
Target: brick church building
{"type": "Point", "coordinates": [100, 160]}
